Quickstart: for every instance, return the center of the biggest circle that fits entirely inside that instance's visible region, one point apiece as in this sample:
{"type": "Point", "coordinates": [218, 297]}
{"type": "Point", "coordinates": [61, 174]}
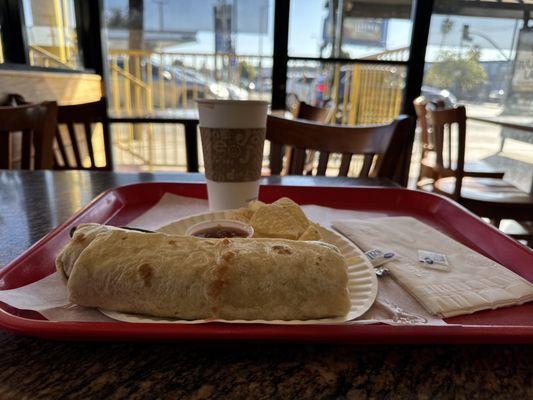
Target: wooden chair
{"type": "Point", "coordinates": [487, 197]}
{"type": "Point", "coordinates": [312, 113]}
{"type": "Point", "coordinates": [429, 171]}
{"type": "Point", "coordinates": [36, 122]}
{"type": "Point", "coordinates": [12, 99]}
{"type": "Point", "coordinates": [306, 112]}
{"type": "Point", "coordinates": [386, 143]}
{"type": "Point", "coordinates": [69, 154]}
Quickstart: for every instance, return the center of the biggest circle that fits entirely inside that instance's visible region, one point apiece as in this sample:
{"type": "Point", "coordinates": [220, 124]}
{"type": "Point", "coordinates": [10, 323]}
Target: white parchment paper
{"type": "Point", "coordinates": [49, 296]}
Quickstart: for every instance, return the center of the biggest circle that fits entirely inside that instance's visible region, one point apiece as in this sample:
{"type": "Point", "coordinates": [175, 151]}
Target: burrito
{"type": "Point", "coordinates": [196, 278]}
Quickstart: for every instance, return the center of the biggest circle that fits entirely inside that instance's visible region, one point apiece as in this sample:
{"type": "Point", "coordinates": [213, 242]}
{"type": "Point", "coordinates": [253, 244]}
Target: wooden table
{"type": "Point", "coordinates": [518, 171]}
{"type": "Point", "coordinates": [31, 203]}
{"type": "Point", "coordinates": [514, 122]}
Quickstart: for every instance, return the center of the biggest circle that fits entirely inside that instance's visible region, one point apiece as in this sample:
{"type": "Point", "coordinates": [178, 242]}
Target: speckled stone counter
{"type": "Point", "coordinates": [41, 369]}
{"type": "Point", "coordinates": [32, 203]}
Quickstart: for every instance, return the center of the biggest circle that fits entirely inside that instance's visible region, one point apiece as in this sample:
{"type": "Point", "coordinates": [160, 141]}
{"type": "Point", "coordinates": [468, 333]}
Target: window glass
{"type": "Point", "coordinates": [163, 55]}
{"type": "Point", "coordinates": [355, 94]}
{"type": "Point", "coordinates": [361, 94]}
{"type": "Point", "coordinates": [349, 29]}
{"type": "Point", "coordinates": [51, 33]}
{"type": "Point", "coordinates": [480, 55]}
{"type": "Point", "coordinates": [367, 29]}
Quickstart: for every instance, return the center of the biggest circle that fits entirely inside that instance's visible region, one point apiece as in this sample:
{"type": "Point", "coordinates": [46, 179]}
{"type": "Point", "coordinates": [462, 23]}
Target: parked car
{"type": "Point", "coordinates": [310, 88]}
{"type": "Point", "coordinates": [434, 94]}
{"type": "Point", "coordinates": [264, 85]}
{"type": "Point", "coordinates": [195, 83]}
{"type": "Point", "coordinates": [497, 96]}
{"type": "Point", "coordinates": [175, 80]}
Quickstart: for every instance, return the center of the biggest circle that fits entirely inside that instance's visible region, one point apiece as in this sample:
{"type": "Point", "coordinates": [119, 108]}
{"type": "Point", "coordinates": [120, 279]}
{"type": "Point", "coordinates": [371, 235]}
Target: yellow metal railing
{"type": "Point", "coordinates": [144, 82]}
{"type": "Point", "coordinates": [375, 94]}
{"type": "Point", "coordinates": [360, 94]}
{"type": "Point", "coordinates": [43, 58]}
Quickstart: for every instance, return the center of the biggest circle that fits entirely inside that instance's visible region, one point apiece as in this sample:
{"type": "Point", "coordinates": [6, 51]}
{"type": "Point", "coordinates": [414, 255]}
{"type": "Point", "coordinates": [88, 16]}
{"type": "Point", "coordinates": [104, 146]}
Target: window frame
{"type": "Point", "coordinates": [15, 42]}
{"type": "Point", "coordinates": [92, 49]}
{"type": "Point", "coordinates": [421, 11]}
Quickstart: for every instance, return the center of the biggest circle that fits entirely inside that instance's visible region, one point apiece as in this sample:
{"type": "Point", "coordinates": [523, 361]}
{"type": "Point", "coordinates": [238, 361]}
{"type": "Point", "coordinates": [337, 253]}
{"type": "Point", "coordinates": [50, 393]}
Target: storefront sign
{"type": "Point", "coordinates": [523, 65]}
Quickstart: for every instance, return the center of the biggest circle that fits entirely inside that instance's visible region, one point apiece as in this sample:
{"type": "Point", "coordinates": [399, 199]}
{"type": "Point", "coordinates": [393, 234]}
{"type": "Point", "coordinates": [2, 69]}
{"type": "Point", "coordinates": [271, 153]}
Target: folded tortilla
{"type": "Point", "coordinates": [195, 278]}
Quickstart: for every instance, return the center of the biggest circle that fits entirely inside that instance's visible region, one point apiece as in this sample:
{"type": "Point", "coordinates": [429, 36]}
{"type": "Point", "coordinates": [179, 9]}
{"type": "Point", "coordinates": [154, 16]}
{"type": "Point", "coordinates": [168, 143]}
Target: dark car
{"type": "Point", "coordinates": [310, 88]}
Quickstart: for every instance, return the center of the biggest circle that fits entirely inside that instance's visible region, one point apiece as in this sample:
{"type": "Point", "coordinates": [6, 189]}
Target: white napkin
{"type": "Point", "coordinates": [473, 283]}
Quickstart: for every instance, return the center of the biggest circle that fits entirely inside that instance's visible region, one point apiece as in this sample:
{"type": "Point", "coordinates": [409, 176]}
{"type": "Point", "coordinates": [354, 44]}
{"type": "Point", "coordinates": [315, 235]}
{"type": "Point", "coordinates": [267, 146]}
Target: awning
{"type": "Point", "coordinates": [402, 8]}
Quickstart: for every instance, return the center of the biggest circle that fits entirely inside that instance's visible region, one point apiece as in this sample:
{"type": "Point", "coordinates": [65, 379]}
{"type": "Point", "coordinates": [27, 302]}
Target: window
{"type": "Point", "coordinates": [51, 33]}
{"type": "Point", "coordinates": [367, 28]}
{"type": "Point", "coordinates": [479, 55]}
{"type": "Point", "coordinates": [163, 55]}
{"type": "Point", "coordinates": [369, 42]}
{"type": "Point", "coordinates": [362, 94]}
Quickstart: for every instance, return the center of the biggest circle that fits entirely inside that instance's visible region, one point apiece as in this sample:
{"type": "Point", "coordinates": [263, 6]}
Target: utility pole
{"type": "Point", "coordinates": [160, 4]}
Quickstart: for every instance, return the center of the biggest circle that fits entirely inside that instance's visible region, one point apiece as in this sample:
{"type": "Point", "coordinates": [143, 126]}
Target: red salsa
{"type": "Point", "coordinates": [219, 232]}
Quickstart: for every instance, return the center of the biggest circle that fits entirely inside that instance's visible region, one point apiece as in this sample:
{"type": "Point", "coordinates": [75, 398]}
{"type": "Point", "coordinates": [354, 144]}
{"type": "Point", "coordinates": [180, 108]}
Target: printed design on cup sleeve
{"type": "Point", "coordinates": [233, 155]}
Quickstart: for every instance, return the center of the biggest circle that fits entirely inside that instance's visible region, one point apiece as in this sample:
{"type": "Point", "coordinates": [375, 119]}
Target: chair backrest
{"type": "Point", "coordinates": [73, 144]}
{"type": "Point", "coordinates": [443, 124]}
{"type": "Point", "coordinates": [381, 145]}
{"type": "Point", "coordinates": [293, 157]}
{"type": "Point", "coordinates": [312, 113]}
{"type": "Point", "coordinates": [36, 124]}
{"type": "Point", "coordinates": [420, 104]}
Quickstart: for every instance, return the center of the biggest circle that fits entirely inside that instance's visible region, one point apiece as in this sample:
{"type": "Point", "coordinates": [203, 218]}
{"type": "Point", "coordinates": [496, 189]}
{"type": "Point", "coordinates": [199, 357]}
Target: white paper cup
{"type": "Point", "coordinates": [232, 113]}
{"type": "Point", "coordinates": [233, 135]}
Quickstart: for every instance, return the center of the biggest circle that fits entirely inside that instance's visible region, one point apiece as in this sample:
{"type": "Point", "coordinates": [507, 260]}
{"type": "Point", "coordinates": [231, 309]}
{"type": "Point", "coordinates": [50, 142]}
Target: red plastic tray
{"type": "Point", "coordinates": [120, 206]}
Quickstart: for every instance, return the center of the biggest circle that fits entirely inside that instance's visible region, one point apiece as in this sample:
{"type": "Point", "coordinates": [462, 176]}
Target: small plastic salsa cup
{"type": "Point", "coordinates": [222, 228]}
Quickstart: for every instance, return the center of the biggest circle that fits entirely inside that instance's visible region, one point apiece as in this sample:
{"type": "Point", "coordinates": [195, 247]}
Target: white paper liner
{"type": "Point", "coordinates": [393, 306]}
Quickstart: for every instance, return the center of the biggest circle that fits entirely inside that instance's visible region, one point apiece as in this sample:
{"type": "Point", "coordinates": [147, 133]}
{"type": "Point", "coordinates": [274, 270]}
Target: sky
{"type": "Point", "coordinates": [305, 33]}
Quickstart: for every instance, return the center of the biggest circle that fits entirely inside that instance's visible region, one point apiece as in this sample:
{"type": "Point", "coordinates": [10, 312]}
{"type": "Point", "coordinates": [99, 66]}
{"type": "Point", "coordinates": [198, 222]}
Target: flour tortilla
{"type": "Point", "coordinates": [83, 236]}
{"type": "Point", "coordinates": [196, 278]}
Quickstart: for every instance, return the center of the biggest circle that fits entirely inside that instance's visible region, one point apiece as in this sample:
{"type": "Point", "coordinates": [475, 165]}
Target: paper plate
{"type": "Point", "coordinates": [362, 281]}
